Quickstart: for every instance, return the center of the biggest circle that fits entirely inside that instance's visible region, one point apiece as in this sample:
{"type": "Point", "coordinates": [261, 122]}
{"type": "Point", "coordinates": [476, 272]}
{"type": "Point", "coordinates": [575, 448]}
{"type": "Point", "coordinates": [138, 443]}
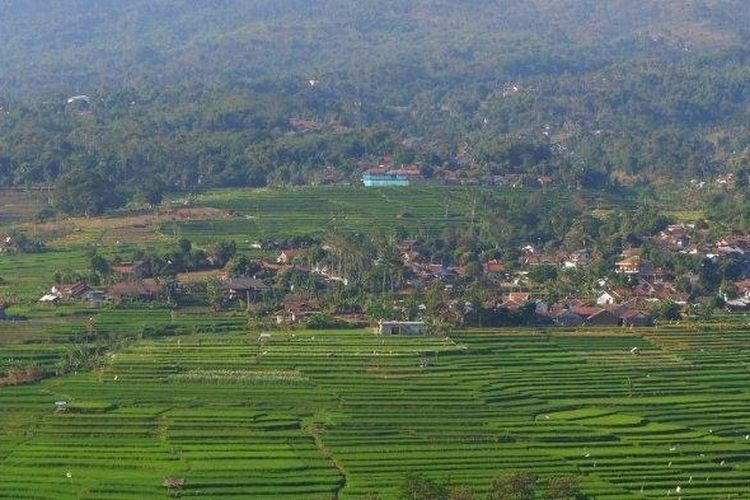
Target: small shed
{"type": "Point", "coordinates": [401, 328]}
{"type": "Point", "coordinates": [61, 406]}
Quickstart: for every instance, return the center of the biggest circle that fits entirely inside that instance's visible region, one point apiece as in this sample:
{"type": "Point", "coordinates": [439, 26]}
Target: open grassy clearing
{"type": "Point", "coordinates": [119, 229]}
{"type": "Point", "coordinates": [314, 413]}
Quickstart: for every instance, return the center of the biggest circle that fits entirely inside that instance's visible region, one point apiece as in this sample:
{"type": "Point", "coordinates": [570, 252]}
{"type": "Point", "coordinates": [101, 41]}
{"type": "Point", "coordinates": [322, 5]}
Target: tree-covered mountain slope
{"type": "Point", "coordinates": [200, 93]}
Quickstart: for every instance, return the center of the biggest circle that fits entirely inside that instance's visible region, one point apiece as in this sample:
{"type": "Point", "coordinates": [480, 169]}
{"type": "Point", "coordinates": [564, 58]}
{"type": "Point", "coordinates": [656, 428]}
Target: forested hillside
{"type": "Point", "coordinates": [595, 93]}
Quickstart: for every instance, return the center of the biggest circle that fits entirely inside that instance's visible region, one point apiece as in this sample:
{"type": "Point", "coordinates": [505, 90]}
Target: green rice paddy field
{"type": "Point", "coordinates": [272, 213]}
{"type": "Point", "coordinates": [347, 413]}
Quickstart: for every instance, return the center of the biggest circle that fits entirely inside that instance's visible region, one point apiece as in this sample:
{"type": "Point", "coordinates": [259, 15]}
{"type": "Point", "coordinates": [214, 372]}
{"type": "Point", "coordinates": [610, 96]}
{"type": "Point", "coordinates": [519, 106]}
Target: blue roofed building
{"type": "Point", "coordinates": [382, 177]}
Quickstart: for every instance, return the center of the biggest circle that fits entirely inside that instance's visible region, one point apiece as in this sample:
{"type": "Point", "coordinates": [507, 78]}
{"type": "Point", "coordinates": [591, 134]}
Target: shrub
{"type": "Point", "coordinates": [564, 488]}
{"type": "Point", "coordinates": [461, 492]}
{"type": "Point", "coordinates": [174, 484]}
{"type": "Point", "coordinates": [45, 214]}
{"type": "Point", "coordinates": [420, 487]}
{"type": "Point", "coordinates": [155, 332]}
{"type": "Point", "coordinates": [514, 486]}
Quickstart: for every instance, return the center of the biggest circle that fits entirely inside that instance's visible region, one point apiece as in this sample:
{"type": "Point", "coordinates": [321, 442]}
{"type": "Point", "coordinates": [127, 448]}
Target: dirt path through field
{"type": "Point", "coordinates": [313, 430]}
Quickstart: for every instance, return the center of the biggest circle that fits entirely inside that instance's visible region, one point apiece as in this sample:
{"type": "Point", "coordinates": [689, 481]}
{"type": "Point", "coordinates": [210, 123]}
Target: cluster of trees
{"type": "Point", "coordinates": [183, 258]}
{"type": "Point", "coordinates": [138, 151]}
{"type": "Point", "coordinates": [512, 486]}
{"type": "Point", "coordinates": [17, 241]}
{"type": "Point", "coordinates": [165, 266]}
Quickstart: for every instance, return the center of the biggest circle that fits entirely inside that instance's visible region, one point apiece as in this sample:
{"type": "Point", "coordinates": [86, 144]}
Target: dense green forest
{"type": "Point", "coordinates": [183, 94]}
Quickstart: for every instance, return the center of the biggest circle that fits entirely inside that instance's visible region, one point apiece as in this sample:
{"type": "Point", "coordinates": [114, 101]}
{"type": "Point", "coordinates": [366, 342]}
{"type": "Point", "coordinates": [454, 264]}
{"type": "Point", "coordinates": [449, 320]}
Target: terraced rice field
{"type": "Point", "coordinates": [19, 204]}
{"type": "Point", "coordinates": [317, 414]}
{"type": "Point", "coordinates": [28, 276]}
{"type": "Point", "coordinates": [272, 213]}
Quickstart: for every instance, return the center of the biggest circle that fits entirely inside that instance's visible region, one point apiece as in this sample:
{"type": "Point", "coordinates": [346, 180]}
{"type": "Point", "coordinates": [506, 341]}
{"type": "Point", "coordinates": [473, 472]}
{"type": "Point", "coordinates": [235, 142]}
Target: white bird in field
{"type": "Point", "coordinates": [587, 455]}
{"type": "Point", "coordinates": [116, 378]}
{"type": "Point", "coordinates": [68, 475]}
{"type": "Point", "coordinates": [678, 489]}
{"type": "Point", "coordinates": [673, 448]}
{"type": "Point", "coordinates": [747, 436]}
